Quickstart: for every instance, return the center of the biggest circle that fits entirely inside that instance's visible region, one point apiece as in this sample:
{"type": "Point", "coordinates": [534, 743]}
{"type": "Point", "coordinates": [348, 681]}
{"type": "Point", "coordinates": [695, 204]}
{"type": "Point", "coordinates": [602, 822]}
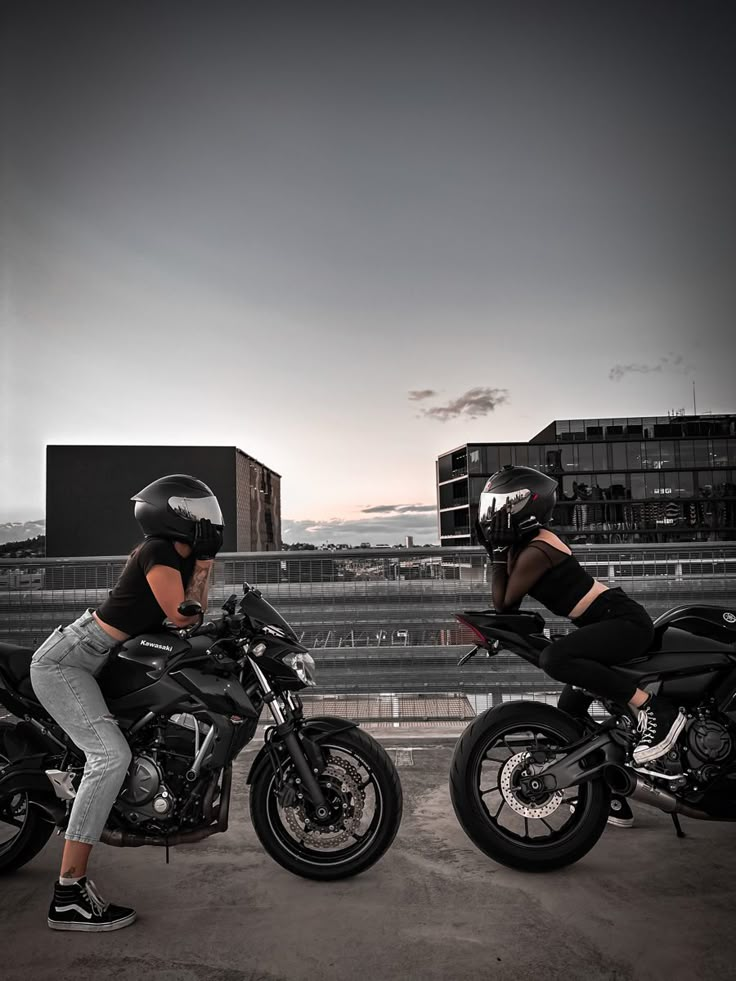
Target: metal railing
{"type": "Point", "coordinates": [381, 620]}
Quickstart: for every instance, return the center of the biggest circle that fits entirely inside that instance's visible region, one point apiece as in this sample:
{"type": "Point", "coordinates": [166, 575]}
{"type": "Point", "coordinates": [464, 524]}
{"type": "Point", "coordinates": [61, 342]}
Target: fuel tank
{"type": "Point", "coordinates": [138, 663]}
{"type": "Point", "coordinates": [709, 628]}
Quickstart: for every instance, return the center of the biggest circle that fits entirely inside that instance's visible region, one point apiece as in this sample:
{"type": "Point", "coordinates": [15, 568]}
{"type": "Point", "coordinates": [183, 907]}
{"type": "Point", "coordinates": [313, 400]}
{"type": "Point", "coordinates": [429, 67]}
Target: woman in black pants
{"type": "Point", "coordinates": [528, 559]}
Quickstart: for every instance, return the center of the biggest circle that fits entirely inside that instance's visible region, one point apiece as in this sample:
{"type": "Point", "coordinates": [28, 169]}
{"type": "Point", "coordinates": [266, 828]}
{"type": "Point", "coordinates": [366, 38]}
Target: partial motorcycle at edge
{"type": "Point", "coordinates": [531, 786]}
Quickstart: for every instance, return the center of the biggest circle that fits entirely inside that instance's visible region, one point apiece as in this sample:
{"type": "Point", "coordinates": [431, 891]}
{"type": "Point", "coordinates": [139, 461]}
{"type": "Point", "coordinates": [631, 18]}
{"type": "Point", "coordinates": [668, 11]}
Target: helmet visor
{"type": "Point", "coordinates": [491, 502]}
{"type": "Point", "coordinates": [197, 508]}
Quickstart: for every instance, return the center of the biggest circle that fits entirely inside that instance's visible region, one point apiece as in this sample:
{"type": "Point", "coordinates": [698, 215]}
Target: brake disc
{"type": "Point", "coordinates": [521, 762]}
{"type": "Point", "coordinates": [347, 783]}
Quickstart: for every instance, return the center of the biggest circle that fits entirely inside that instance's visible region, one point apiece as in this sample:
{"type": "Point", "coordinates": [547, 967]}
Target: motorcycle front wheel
{"type": "Point", "coordinates": [364, 794]}
{"type": "Point", "coordinates": [491, 756]}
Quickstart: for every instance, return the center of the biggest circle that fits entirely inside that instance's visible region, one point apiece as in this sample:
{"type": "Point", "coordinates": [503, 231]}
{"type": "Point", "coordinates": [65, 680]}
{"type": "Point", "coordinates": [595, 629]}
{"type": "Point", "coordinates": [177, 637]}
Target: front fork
{"type": "Point", "coordinates": [287, 731]}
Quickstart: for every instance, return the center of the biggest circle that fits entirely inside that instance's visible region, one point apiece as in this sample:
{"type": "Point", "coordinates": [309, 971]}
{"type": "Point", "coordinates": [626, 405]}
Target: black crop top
{"type": "Point", "coordinates": [131, 605]}
{"type": "Point", "coordinates": [550, 576]}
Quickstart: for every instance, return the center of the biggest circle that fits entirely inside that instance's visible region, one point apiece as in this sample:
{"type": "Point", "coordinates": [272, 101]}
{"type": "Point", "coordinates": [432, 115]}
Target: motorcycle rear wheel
{"type": "Point", "coordinates": [533, 836]}
{"type": "Point", "coordinates": [363, 785]}
{"type": "Point", "coordinates": [31, 831]}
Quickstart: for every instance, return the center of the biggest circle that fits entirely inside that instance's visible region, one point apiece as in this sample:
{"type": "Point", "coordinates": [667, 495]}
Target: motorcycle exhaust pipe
{"type": "Point", "coordinates": [129, 839]}
{"type": "Point", "coordinates": [624, 783]}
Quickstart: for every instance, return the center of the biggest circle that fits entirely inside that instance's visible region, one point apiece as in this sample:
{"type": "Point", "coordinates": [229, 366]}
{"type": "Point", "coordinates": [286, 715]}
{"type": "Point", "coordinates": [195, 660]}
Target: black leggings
{"type": "Point", "coordinates": [614, 629]}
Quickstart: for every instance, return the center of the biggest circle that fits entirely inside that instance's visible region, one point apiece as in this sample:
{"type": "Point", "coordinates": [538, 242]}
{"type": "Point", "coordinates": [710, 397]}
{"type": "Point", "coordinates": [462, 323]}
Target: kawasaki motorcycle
{"type": "Point", "coordinates": [531, 786]}
{"type": "Point", "coordinates": [325, 799]}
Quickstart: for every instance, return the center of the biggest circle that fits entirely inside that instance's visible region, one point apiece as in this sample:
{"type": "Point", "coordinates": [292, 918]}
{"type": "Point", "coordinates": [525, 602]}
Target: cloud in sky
{"type": "Point", "coordinates": [672, 361]}
{"type": "Point", "coordinates": [399, 508]}
{"type": "Point", "coordinates": [422, 393]}
{"type": "Point", "coordinates": [472, 404]}
{"type": "Point", "coordinates": [389, 528]}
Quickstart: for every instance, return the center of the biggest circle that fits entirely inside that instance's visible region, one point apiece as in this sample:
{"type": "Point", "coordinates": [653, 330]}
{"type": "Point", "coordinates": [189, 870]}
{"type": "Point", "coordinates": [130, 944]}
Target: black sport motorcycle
{"type": "Point", "coordinates": [531, 786]}
{"type": "Point", "coordinates": [325, 798]}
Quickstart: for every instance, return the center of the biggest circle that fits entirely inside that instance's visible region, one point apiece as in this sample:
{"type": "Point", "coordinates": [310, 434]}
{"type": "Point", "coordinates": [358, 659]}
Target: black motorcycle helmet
{"type": "Point", "coordinates": [170, 507]}
{"type": "Point", "coordinates": [529, 496]}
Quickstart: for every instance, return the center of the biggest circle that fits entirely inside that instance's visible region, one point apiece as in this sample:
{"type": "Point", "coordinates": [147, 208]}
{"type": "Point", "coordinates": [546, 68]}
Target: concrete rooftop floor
{"type": "Point", "coordinates": [642, 905]}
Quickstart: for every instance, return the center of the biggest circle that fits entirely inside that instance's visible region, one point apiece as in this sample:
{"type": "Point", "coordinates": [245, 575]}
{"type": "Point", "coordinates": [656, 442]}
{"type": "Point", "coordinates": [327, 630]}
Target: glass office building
{"type": "Point", "coordinates": [644, 479]}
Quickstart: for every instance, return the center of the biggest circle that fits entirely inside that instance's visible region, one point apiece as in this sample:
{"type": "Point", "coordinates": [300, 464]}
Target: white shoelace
{"type": "Point", "coordinates": [646, 724]}
{"type": "Point", "coordinates": [96, 901]}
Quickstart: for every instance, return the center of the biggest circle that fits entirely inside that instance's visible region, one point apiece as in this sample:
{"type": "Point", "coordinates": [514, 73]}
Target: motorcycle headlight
{"type": "Point", "coordinates": [303, 667]}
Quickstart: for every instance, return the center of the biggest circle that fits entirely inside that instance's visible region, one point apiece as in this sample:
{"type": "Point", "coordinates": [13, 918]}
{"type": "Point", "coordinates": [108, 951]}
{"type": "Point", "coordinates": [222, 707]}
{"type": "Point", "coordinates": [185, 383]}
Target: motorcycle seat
{"type": "Point", "coordinates": [15, 666]}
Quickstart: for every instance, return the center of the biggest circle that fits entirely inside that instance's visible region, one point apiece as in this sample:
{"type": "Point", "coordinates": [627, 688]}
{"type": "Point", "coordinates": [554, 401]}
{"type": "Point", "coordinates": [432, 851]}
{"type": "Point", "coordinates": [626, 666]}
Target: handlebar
{"type": "Point", "coordinates": [208, 629]}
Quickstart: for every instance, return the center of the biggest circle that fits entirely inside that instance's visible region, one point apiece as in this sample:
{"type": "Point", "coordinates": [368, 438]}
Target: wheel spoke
{"type": "Point", "coordinates": [11, 821]}
{"type": "Point", "coordinates": [491, 790]}
{"type": "Point", "coordinates": [500, 808]}
{"type": "Point", "coordinates": [526, 827]}
{"type": "Point", "coordinates": [547, 825]}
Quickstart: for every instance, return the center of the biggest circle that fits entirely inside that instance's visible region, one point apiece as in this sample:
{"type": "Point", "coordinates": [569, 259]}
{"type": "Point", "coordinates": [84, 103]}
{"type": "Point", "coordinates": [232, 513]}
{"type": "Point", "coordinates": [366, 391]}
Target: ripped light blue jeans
{"type": "Point", "coordinates": [63, 672]}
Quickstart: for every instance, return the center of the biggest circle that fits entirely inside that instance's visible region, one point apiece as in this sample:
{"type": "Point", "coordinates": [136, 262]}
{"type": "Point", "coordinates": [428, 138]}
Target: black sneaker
{"type": "Point", "coordinates": [659, 726]}
{"type": "Point", "coordinates": [80, 907]}
{"type": "Point", "coordinates": [620, 813]}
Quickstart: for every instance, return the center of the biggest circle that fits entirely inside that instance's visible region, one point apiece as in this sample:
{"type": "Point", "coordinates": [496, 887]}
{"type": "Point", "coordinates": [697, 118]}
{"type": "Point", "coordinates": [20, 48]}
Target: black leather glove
{"type": "Point", "coordinates": [482, 540]}
{"type": "Point", "coordinates": [207, 539]}
{"type": "Point", "coordinates": [502, 534]}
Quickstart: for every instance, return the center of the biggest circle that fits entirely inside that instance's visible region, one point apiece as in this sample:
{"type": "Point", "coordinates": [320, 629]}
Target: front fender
{"type": "Point", "coordinates": [315, 729]}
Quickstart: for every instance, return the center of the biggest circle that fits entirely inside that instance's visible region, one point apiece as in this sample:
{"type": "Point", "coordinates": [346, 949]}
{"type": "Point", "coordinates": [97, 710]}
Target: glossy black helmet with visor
{"type": "Point", "coordinates": [171, 506]}
{"type": "Point", "coordinates": [527, 495]}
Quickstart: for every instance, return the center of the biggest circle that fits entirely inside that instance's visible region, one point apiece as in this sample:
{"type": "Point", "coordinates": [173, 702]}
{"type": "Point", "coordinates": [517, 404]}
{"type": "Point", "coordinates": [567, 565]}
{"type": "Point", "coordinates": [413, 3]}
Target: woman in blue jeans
{"type": "Point", "coordinates": [182, 522]}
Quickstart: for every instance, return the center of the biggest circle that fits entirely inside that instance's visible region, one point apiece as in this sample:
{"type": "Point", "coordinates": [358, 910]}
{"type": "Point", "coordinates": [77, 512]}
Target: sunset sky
{"type": "Point", "coordinates": [310, 230]}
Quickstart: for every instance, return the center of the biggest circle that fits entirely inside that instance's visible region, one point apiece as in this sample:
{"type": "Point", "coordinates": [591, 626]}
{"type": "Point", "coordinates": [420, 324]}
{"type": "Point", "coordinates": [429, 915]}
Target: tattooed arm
{"type": "Point", "coordinates": [198, 587]}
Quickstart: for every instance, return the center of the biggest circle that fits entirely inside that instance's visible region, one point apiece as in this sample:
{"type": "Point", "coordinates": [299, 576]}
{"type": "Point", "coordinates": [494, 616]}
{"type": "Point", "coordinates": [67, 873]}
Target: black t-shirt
{"type": "Point", "coordinates": [131, 605]}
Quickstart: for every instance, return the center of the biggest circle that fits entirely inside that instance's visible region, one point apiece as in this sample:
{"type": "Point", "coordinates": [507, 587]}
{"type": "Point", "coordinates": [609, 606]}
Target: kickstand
{"type": "Point", "coordinates": [678, 829]}
{"type": "Point", "coordinates": [167, 848]}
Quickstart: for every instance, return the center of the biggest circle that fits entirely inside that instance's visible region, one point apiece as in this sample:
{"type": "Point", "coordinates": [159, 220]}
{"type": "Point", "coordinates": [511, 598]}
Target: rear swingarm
{"type": "Point", "coordinates": [573, 768]}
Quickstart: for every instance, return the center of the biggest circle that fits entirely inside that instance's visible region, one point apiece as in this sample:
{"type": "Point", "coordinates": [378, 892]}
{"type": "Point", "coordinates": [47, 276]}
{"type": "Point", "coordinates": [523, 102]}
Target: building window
{"type": "Point", "coordinates": [694, 453]}
{"type": "Point", "coordinates": [635, 456]}
{"type": "Point", "coordinates": [577, 429]}
{"type": "Point", "coordinates": [585, 456]}
{"type": "Point", "coordinates": [618, 456]}
{"type": "Point", "coordinates": [666, 455]}
{"type": "Point", "coordinates": [638, 487]}
{"type": "Point", "coordinates": [719, 455]}
{"type": "Point", "coordinates": [682, 484]}
{"type": "Point", "coordinates": [444, 467]}
{"type": "Point", "coordinates": [491, 459]}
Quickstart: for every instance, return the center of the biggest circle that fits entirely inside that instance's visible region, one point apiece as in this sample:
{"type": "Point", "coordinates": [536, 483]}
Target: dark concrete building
{"type": "Point", "coordinates": [88, 491]}
{"type": "Point", "coordinates": [645, 479]}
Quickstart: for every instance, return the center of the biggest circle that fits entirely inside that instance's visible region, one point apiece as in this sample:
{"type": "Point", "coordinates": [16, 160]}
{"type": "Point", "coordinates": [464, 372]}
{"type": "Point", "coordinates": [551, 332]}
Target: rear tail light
{"type": "Point", "coordinates": [473, 629]}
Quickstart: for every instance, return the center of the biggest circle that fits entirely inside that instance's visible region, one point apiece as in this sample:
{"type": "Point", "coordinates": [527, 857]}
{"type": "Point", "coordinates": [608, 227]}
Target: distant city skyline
{"type": "Point", "coordinates": [348, 240]}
